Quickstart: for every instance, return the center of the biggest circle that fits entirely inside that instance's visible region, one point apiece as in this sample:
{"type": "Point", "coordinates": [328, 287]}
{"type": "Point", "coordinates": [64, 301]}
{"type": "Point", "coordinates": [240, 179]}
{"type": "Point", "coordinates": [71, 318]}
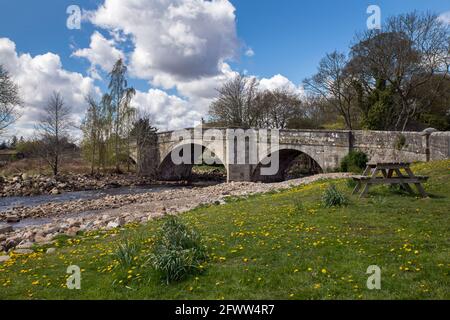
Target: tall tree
{"type": "Point", "coordinates": [242, 103]}
{"type": "Point", "coordinates": [120, 96]}
{"type": "Point", "coordinates": [276, 108]}
{"type": "Point", "coordinates": [9, 100]}
{"type": "Point", "coordinates": [146, 139]}
{"type": "Point", "coordinates": [406, 54]}
{"type": "Point", "coordinates": [333, 83]}
{"type": "Point", "coordinates": [53, 130]}
{"type": "Point", "coordinates": [235, 103]}
{"type": "Point", "coordinates": [92, 128]}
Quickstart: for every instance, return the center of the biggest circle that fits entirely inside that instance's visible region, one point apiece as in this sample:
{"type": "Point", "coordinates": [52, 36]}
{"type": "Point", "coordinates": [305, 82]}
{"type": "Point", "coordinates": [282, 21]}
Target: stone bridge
{"type": "Point", "coordinates": [325, 148]}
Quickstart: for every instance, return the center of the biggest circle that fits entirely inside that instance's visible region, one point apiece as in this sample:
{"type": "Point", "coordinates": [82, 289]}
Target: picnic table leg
{"type": "Point", "coordinates": [365, 191]}
{"type": "Point", "coordinates": [405, 185]}
{"type": "Point", "coordinates": [366, 171]}
{"type": "Point", "coordinates": [367, 183]}
{"type": "Point", "coordinates": [356, 189]}
{"type": "Point", "coordinates": [419, 187]}
{"type": "Point", "coordinates": [359, 184]}
{"type": "Point", "coordinates": [389, 174]}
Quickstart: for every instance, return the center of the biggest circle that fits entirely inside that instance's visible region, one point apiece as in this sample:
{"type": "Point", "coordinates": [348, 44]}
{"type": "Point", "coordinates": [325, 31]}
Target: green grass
{"type": "Point", "coordinates": [282, 245]}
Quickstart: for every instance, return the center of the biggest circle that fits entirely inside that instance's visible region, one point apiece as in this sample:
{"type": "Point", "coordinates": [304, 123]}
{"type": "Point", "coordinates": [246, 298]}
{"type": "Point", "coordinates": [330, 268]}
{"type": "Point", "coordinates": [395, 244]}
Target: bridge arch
{"type": "Point", "coordinates": [287, 156]}
{"type": "Point", "coordinates": [170, 171]}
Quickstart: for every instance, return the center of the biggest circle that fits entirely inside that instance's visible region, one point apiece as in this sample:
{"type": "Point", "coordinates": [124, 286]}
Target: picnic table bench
{"type": "Point", "coordinates": [390, 174]}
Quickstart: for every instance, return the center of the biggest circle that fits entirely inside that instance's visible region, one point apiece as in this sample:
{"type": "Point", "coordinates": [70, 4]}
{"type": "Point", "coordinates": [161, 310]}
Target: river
{"type": "Point", "coordinates": [8, 203]}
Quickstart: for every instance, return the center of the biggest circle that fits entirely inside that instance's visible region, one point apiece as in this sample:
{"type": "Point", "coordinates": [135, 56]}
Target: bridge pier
{"type": "Point", "coordinates": [239, 172]}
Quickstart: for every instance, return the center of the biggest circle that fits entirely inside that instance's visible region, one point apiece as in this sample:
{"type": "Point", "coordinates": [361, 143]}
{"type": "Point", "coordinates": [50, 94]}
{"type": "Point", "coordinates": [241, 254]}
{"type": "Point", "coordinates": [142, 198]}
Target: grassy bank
{"type": "Point", "coordinates": [275, 246]}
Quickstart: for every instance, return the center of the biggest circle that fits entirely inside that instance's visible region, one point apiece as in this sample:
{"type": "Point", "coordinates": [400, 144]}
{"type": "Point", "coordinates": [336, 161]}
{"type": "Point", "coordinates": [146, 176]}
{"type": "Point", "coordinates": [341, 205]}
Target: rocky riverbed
{"type": "Point", "coordinates": [29, 185]}
{"type": "Point", "coordinates": [44, 222]}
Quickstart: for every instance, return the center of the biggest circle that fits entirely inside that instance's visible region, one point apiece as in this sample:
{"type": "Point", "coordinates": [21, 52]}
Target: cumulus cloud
{"type": "Point", "coordinates": [169, 112]}
{"type": "Point", "coordinates": [174, 41]}
{"type": "Point", "coordinates": [280, 82]}
{"type": "Point", "coordinates": [101, 53]}
{"type": "Point", "coordinates": [445, 17]}
{"type": "Point", "coordinates": [37, 78]}
{"type": "Point", "coordinates": [175, 44]}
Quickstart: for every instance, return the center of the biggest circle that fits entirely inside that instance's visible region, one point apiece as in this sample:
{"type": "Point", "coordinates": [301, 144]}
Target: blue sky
{"type": "Point", "coordinates": [288, 38]}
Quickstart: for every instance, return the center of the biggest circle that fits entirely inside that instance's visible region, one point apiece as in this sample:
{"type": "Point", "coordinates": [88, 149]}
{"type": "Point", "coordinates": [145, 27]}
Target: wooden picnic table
{"type": "Point", "coordinates": [391, 173]}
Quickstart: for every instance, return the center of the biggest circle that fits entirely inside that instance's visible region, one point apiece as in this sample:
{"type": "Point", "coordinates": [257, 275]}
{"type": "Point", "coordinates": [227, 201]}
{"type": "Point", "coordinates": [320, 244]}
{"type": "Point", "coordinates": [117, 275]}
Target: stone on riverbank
{"type": "Point", "coordinates": [4, 228]}
{"type": "Point", "coordinates": [4, 258]}
{"type": "Point", "coordinates": [12, 219]}
{"type": "Point", "coordinates": [23, 251]}
{"type": "Point", "coordinates": [25, 245]}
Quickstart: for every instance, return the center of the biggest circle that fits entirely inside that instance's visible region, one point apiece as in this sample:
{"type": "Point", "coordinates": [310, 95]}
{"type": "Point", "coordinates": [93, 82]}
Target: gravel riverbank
{"type": "Point", "coordinates": [40, 224]}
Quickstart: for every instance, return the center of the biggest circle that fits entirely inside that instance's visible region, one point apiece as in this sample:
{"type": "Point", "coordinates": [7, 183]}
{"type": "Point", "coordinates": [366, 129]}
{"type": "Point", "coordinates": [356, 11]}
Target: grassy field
{"type": "Point", "coordinates": [275, 246]}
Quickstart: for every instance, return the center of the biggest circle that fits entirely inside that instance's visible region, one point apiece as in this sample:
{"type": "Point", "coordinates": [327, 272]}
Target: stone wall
{"type": "Point", "coordinates": [439, 145]}
{"type": "Point", "coordinates": [385, 146]}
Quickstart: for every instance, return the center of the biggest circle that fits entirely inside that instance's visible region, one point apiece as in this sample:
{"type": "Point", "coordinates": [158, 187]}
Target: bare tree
{"type": "Point", "coordinates": [241, 103]}
{"type": "Point", "coordinates": [275, 108]}
{"type": "Point", "coordinates": [235, 104]}
{"type": "Point", "coordinates": [9, 100]}
{"type": "Point", "coordinates": [53, 130]}
{"type": "Point", "coordinates": [334, 84]}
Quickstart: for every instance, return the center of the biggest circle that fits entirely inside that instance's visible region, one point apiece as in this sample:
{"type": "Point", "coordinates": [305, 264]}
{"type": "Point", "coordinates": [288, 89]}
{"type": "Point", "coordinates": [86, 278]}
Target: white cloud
{"type": "Point", "coordinates": [37, 78]}
{"type": "Point", "coordinates": [101, 53]}
{"type": "Point", "coordinates": [167, 111]}
{"type": "Point", "coordinates": [175, 41]}
{"type": "Point", "coordinates": [280, 82]}
{"type": "Point", "coordinates": [181, 44]}
{"type": "Point", "coordinates": [445, 17]}
{"type": "Point", "coordinates": [249, 52]}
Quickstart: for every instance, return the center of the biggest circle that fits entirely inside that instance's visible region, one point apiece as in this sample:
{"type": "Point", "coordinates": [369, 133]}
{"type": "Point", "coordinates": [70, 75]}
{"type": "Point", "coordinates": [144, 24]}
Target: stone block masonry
{"type": "Point", "coordinates": [325, 147]}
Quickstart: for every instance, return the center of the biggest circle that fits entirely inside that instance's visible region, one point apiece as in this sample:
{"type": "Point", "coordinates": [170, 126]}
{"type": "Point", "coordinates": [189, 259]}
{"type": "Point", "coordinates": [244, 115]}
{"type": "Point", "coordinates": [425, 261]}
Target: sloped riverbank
{"type": "Point", "coordinates": [43, 222]}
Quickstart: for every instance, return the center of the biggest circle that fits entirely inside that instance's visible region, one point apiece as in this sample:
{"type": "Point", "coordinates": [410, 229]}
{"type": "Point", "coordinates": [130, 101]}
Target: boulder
{"type": "Point", "coordinates": [25, 245]}
{"type": "Point", "coordinates": [23, 251]}
{"type": "Point", "coordinates": [72, 232]}
{"type": "Point", "coordinates": [4, 228]}
{"type": "Point", "coordinates": [40, 237]}
{"type": "Point", "coordinates": [120, 221]}
{"type": "Point", "coordinates": [9, 244]}
{"type": "Point", "coordinates": [12, 219]}
{"type": "Point", "coordinates": [55, 191]}
{"type": "Point", "coordinates": [50, 250]}
{"type": "Point", "coordinates": [4, 258]}
{"type": "Point", "coordinates": [73, 222]}
{"type": "Point", "coordinates": [112, 225]}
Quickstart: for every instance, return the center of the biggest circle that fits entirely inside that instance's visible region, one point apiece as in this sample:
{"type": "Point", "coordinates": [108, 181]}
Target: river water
{"type": "Point", "coordinates": [8, 203]}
